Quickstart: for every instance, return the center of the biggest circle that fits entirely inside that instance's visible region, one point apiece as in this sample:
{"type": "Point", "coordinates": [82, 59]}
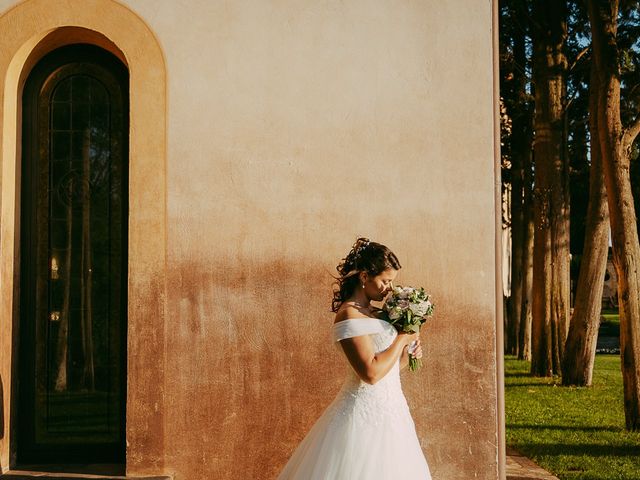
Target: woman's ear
{"type": "Point", "coordinates": [363, 277]}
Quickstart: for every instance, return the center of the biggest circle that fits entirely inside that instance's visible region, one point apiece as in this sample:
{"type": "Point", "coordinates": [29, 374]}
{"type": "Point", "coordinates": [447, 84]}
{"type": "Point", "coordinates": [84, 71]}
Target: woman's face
{"type": "Point", "coordinates": [376, 288]}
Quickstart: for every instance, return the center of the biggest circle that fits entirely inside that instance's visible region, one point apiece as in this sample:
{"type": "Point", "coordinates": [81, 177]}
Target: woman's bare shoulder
{"type": "Point", "coordinates": [345, 312]}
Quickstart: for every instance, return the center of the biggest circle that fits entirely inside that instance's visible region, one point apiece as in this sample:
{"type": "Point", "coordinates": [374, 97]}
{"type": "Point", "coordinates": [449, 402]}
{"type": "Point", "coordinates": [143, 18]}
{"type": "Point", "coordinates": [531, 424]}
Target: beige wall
{"type": "Point", "coordinates": [293, 127]}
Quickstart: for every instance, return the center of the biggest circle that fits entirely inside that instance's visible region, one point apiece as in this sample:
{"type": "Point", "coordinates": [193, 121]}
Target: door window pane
{"type": "Point", "coordinates": [75, 257]}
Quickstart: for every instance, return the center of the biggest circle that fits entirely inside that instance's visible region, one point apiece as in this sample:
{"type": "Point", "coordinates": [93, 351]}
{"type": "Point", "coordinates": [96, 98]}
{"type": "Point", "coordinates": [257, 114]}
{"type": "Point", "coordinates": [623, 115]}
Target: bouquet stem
{"type": "Point", "coordinates": [414, 363]}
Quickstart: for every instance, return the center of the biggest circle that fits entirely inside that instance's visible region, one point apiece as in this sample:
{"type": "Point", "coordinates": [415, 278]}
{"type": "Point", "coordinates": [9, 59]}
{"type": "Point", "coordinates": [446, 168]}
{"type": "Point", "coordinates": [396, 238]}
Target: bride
{"type": "Point", "coordinates": [367, 432]}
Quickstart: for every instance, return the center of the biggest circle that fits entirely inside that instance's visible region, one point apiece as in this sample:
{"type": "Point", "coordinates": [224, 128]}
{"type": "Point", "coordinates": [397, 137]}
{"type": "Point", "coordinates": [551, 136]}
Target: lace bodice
{"type": "Point", "coordinates": [384, 398]}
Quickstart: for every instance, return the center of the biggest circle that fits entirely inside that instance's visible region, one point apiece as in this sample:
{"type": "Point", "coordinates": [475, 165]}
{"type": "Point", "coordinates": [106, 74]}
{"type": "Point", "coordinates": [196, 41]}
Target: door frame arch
{"type": "Point", "coordinates": [32, 29]}
{"type": "Point", "coordinates": [59, 66]}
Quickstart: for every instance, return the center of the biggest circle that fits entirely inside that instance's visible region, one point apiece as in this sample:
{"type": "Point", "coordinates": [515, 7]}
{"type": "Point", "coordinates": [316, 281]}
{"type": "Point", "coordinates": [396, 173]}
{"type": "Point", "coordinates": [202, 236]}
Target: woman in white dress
{"type": "Point", "coordinates": [367, 432]}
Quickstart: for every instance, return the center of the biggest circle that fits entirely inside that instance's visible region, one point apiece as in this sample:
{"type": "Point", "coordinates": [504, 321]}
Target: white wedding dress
{"type": "Point", "coordinates": [367, 432]}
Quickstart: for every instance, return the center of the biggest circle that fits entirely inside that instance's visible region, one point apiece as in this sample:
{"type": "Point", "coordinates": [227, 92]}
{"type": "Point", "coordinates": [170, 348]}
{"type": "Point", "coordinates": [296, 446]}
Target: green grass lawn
{"type": "Point", "coordinates": [575, 433]}
{"type": "Point", "coordinates": [610, 318]}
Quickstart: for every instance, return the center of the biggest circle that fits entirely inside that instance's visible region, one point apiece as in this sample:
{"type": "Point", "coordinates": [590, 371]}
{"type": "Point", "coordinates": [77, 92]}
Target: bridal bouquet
{"type": "Point", "coordinates": [408, 308]}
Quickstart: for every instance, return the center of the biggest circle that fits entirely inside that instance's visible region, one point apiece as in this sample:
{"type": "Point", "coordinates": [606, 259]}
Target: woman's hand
{"type": "Point", "coordinates": [407, 338]}
{"type": "Point", "coordinates": [417, 351]}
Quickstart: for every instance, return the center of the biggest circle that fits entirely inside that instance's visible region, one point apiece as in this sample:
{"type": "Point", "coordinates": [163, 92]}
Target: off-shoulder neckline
{"type": "Point", "coordinates": [360, 318]}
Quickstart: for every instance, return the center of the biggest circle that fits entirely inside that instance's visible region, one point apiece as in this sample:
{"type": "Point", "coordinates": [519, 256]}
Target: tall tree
{"type": "Point", "coordinates": [517, 145]}
{"type": "Point", "coordinates": [580, 349]}
{"type": "Point", "coordinates": [616, 143]}
{"type": "Point", "coordinates": [524, 334]}
{"type": "Point", "coordinates": [551, 280]}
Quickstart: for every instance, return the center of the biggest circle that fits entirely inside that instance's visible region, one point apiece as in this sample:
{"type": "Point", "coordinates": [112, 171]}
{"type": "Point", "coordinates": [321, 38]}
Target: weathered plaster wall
{"type": "Point", "coordinates": [293, 127]}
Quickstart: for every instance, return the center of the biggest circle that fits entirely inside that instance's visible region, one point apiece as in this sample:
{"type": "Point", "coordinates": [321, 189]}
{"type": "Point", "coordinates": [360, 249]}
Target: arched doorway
{"type": "Point", "coordinates": [73, 262]}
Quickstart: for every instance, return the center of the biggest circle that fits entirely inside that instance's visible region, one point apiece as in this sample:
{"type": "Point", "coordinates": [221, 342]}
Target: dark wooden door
{"type": "Point", "coordinates": [73, 277]}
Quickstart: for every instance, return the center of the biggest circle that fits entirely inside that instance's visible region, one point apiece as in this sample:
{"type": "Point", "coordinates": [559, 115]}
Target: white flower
{"type": "Point", "coordinates": [419, 309]}
{"type": "Point", "coordinates": [403, 304]}
{"type": "Point", "coordinates": [402, 293]}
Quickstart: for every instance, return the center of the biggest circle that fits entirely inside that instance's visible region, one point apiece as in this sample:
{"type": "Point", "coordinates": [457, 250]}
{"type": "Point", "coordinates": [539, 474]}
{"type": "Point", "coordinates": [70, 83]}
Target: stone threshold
{"type": "Point", "coordinates": [60, 474]}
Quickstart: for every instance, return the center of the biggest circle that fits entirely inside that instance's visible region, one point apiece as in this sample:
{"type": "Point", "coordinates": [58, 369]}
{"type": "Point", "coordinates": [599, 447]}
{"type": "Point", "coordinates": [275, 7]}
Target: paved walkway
{"type": "Point", "coordinates": [518, 468]}
{"type": "Point", "coordinates": [521, 468]}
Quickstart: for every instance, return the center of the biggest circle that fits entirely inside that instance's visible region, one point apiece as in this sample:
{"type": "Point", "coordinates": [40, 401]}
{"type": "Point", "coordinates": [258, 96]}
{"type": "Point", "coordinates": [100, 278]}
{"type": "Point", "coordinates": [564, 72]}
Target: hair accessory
{"type": "Point", "coordinates": [361, 247]}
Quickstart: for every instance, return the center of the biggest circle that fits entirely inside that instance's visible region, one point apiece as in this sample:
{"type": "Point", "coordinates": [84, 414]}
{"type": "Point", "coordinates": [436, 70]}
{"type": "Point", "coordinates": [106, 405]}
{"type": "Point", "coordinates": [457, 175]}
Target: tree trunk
{"type": "Point", "coordinates": [62, 343]}
{"type": "Point", "coordinates": [551, 243]}
{"type": "Point", "coordinates": [541, 357]}
{"type": "Point", "coordinates": [86, 304]}
{"type": "Point", "coordinates": [524, 352]}
{"type": "Point", "coordinates": [560, 245]}
{"type": "Point", "coordinates": [515, 303]}
{"type": "Point", "coordinates": [615, 149]}
{"type": "Point", "coordinates": [580, 349]}
{"type": "Point", "coordinates": [520, 149]}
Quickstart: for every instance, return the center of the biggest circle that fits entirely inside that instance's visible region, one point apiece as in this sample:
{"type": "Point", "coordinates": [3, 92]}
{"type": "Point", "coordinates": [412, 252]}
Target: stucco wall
{"type": "Point", "coordinates": [293, 127]}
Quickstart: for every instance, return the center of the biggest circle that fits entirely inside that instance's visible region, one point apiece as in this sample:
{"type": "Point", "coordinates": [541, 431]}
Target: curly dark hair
{"type": "Point", "coordinates": [365, 256]}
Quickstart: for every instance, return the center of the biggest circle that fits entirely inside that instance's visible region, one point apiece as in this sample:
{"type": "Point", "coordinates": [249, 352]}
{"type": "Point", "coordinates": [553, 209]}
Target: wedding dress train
{"type": "Point", "coordinates": [367, 432]}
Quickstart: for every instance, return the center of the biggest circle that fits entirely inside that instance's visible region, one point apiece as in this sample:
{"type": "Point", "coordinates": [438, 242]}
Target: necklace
{"type": "Point", "coordinates": [359, 305]}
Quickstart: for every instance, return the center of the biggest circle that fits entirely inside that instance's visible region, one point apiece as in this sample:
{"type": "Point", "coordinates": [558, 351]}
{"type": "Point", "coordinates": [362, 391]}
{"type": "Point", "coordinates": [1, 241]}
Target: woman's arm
{"type": "Point", "coordinates": [371, 366]}
{"type": "Point", "coordinates": [404, 359]}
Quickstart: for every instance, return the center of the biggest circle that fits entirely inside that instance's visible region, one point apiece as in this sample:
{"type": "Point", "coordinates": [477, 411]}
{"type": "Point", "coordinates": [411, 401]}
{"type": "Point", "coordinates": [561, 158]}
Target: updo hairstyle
{"type": "Point", "coordinates": [365, 256]}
